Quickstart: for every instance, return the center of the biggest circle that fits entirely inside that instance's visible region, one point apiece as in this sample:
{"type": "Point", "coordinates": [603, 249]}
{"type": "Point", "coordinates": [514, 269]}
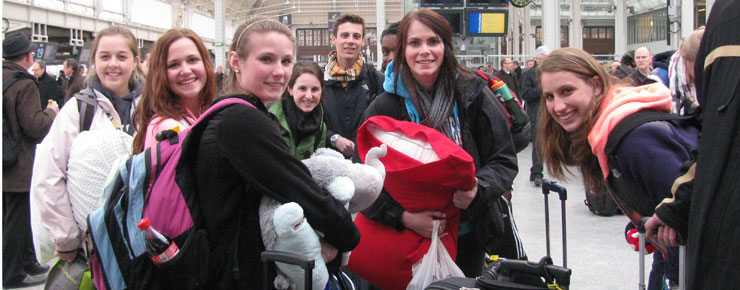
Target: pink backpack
{"type": "Point", "coordinates": [159, 184]}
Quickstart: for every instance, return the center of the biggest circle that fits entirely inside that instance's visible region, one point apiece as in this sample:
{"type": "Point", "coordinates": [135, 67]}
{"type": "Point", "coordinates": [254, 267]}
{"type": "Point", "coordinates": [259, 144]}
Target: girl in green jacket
{"type": "Point", "coordinates": [299, 112]}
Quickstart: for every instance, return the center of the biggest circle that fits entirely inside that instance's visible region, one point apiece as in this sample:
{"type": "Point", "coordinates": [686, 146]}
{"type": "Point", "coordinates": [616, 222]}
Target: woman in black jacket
{"type": "Point", "coordinates": [242, 157]}
{"type": "Point", "coordinates": [425, 84]}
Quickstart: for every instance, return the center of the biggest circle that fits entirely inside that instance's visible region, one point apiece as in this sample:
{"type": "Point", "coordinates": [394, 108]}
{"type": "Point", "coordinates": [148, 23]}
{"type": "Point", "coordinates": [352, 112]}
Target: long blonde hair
{"type": "Point", "coordinates": [241, 46]}
{"type": "Point", "coordinates": [561, 148]}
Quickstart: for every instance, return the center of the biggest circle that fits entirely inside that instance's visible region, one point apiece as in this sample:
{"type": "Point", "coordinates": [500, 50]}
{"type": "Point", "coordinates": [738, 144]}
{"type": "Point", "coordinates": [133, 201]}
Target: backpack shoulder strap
{"type": "Point", "coordinates": [632, 121]}
{"type": "Point", "coordinates": [16, 76]}
{"type": "Point", "coordinates": [87, 103]}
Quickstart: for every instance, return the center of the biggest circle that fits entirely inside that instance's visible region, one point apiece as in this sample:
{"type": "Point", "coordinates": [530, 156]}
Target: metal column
{"type": "Point", "coordinates": [551, 24]}
{"type": "Point", "coordinates": [380, 18]}
{"type": "Point", "coordinates": [218, 18]}
{"type": "Point", "coordinates": [620, 29]}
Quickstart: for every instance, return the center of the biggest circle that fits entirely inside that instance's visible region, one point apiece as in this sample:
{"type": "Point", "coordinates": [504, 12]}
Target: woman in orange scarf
{"type": "Point", "coordinates": [581, 109]}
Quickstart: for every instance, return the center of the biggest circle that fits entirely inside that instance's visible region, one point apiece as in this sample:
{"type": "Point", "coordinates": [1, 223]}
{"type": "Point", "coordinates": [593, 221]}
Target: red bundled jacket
{"type": "Point", "coordinates": [385, 256]}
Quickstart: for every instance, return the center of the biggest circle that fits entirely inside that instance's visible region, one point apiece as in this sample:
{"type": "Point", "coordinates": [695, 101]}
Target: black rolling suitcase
{"type": "Point", "coordinates": [547, 275]}
{"type": "Point", "coordinates": [338, 279]}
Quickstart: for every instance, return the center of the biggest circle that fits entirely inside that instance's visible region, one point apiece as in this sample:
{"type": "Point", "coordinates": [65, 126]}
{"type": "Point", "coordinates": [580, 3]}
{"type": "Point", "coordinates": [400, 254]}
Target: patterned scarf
{"type": "Point", "coordinates": [341, 74]}
{"type": "Point", "coordinates": [682, 91]}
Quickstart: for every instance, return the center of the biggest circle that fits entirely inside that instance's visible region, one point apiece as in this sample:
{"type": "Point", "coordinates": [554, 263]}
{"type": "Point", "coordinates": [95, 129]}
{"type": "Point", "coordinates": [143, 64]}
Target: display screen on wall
{"type": "Point", "coordinates": [46, 51]}
{"type": "Point", "coordinates": [84, 56]}
{"type": "Point", "coordinates": [486, 3]}
{"type": "Point", "coordinates": [486, 22]}
{"type": "Point", "coordinates": [455, 18]}
{"type": "Point", "coordinates": [441, 3]}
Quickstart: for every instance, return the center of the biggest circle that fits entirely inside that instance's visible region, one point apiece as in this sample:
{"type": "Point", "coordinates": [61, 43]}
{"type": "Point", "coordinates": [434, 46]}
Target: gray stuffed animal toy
{"type": "Point", "coordinates": [353, 184]}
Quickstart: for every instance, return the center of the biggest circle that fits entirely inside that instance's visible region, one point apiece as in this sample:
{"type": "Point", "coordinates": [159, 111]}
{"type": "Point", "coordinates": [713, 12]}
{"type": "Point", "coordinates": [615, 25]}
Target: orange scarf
{"type": "Point", "coordinates": [620, 103]}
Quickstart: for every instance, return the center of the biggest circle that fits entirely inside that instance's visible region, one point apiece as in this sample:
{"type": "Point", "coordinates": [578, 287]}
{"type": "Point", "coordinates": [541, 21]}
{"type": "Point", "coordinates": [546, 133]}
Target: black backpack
{"type": "Point", "coordinates": [11, 146]}
{"type": "Point", "coordinates": [631, 200]}
{"type": "Point", "coordinates": [601, 203]}
{"type": "Point", "coordinates": [519, 124]}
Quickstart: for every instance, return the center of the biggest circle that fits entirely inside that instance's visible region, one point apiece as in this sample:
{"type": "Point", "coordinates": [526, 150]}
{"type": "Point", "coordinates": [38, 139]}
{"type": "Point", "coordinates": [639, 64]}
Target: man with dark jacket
{"type": "Point", "coordinates": [48, 88]}
{"type": "Point", "coordinates": [75, 82]}
{"type": "Point", "coordinates": [704, 208]}
{"type": "Point", "coordinates": [644, 61]}
{"type": "Point", "coordinates": [531, 92]}
{"type": "Point", "coordinates": [517, 70]}
{"type": "Point", "coordinates": [28, 125]}
{"type": "Point", "coordinates": [626, 65]}
{"type": "Point", "coordinates": [507, 75]}
{"type": "Point", "coordinates": [351, 83]}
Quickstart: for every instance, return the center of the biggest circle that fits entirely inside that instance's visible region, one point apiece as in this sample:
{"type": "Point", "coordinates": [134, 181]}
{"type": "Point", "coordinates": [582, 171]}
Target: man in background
{"type": "Point", "coordinates": [75, 79]}
{"type": "Point", "coordinates": [26, 124]}
{"type": "Point", "coordinates": [507, 75]}
{"type": "Point", "coordinates": [145, 62]}
{"type": "Point", "coordinates": [531, 93]}
{"type": "Point", "coordinates": [489, 68]}
{"type": "Point", "coordinates": [517, 70]}
{"type": "Point", "coordinates": [48, 88]}
{"type": "Point", "coordinates": [644, 61]}
{"type": "Point", "coordinates": [351, 83]}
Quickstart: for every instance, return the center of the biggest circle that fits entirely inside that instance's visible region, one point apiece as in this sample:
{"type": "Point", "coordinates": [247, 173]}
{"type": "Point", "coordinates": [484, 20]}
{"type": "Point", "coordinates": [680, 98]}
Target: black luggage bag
{"type": "Point", "coordinates": [547, 275]}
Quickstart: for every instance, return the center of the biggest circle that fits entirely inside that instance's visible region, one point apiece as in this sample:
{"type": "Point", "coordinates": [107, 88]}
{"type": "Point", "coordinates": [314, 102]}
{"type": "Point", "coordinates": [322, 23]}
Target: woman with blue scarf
{"type": "Point", "coordinates": [426, 85]}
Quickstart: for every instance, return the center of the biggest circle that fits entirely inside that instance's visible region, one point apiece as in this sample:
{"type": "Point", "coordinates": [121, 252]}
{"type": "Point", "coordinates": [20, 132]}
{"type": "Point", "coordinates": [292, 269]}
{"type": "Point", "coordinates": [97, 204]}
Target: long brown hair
{"type": "Point", "coordinates": [136, 75]}
{"type": "Point", "coordinates": [157, 98]}
{"type": "Point", "coordinates": [241, 46]}
{"type": "Point", "coordinates": [560, 148]}
{"type": "Point", "coordinates": [438, 111]}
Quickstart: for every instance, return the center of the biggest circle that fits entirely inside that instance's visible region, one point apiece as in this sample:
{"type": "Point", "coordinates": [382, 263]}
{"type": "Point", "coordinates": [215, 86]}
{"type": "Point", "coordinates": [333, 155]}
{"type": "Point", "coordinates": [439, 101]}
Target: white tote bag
{"type": "Point", "coordinates": [436, 264]}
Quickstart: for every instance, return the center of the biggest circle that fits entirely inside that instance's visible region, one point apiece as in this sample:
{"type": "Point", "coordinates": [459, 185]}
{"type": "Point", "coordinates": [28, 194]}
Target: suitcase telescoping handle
{"type": "Point", "coordinates": [641, 263]}
{"type": "Point", "coordinates": [269, 257]}
{"type": "Point", "coordinates": [547, 186]}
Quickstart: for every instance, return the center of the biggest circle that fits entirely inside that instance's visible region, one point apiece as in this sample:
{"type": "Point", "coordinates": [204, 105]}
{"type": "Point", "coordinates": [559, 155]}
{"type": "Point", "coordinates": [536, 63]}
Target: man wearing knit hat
{"type": "Point", "coordinates": [531, 92]}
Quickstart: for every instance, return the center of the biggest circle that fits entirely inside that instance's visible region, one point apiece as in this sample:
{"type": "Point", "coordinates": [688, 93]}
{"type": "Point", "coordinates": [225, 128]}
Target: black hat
{"type": "Point", "coordinates": [17, 44]}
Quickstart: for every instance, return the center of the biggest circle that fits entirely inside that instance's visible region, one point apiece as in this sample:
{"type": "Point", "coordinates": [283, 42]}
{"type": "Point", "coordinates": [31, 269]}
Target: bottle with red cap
{"type": "Point", "coordinates": [160, 247]}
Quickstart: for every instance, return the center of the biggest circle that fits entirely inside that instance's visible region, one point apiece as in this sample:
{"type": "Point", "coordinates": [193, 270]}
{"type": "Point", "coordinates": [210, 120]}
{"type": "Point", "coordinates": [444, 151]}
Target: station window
{"type": "Point", "coordinates": [647, 27]}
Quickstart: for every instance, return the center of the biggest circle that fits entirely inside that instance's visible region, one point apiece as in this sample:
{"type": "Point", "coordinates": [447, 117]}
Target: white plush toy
{"type": "Point", "coordinates": [284, 227]}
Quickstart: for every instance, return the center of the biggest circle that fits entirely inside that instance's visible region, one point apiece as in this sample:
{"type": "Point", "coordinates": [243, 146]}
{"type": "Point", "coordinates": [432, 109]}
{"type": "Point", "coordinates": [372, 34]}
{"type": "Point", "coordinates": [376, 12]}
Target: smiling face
{"type": "Point", "coordinates": [114, 63]}
{"type": "Point", "coordinates": [424, 53]}
{"type": "Point", "coordinates": [306, 92]}
{"type": "Point", "coordinates": [348, 42]}
{"type": "Point", "coordinates": [265, 71]}
{"type": "Point", "coordinates": [186, 75]}
{"type": "Point", "coordinates": [568, 98]}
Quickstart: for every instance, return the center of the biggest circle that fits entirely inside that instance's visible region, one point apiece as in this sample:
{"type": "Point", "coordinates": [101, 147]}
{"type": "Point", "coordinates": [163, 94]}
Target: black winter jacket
{"type": "Point", "coordinates": [50, 90]}
{"type": "Point", "coordinates": [242, 157]}
{"type": "Point", "coordinates": [713, 232]}
{"type": "Point", "coordinates": [531, 93]}
{"type": "Point", "coordinates": [344, 105]}
{"type": "Point", "coordinates": [486, 137]}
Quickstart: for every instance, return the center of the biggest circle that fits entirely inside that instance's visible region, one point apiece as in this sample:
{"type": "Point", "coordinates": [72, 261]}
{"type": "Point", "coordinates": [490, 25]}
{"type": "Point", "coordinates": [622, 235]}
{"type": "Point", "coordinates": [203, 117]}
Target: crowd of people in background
{"type": "Point", "coordinates": [573, 103]}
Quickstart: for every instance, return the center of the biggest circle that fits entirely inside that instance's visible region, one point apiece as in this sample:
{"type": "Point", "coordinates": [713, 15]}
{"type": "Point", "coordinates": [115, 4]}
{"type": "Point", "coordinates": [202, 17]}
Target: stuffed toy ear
{"type": "Point", "coordinates": [368, 179]}
{"type": "Point", "coordinates": [372, 158]}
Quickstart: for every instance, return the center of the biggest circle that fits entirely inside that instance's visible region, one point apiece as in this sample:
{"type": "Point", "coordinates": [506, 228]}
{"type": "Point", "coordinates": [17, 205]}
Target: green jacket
{"type": "Point", "coordinates": [309, 144]}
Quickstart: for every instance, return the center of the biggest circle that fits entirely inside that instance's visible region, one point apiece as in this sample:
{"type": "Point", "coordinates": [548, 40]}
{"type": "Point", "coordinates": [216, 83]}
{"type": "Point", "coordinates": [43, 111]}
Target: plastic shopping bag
{"type": "Point", "coordinates": [436, 264]}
